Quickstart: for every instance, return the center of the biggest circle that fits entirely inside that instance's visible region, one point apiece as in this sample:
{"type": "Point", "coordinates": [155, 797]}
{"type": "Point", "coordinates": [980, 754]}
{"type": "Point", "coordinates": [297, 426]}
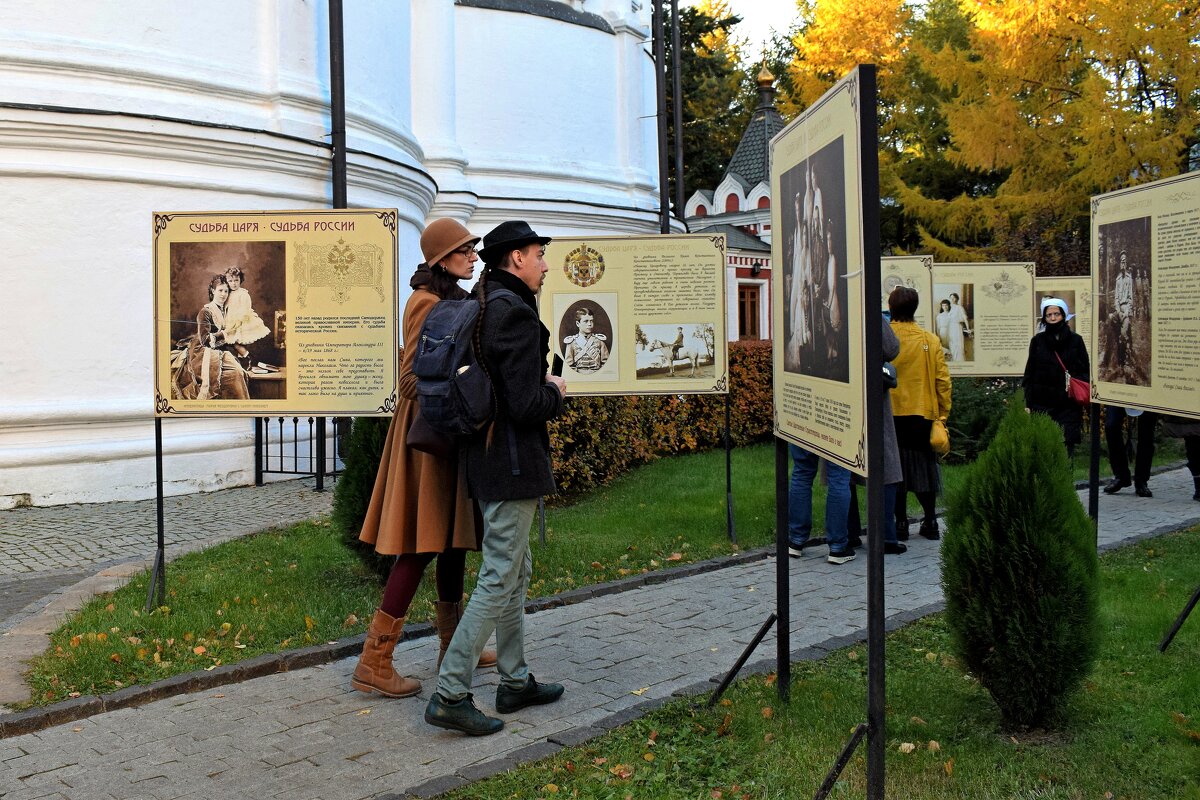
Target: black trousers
{"type": "Point", "coordinates": [1114, 436]}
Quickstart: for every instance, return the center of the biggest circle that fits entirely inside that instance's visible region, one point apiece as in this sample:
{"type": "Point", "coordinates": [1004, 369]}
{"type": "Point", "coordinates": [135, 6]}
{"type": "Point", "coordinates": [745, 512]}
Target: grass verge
{"type": "Point", "coordinates": [1133, 732]}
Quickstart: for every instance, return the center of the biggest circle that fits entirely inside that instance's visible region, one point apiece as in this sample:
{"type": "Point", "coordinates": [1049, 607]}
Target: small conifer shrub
{"type": "Point", "coordinates": [1019, 571]}
{"type": "Point", "coordinates": [352, 493]}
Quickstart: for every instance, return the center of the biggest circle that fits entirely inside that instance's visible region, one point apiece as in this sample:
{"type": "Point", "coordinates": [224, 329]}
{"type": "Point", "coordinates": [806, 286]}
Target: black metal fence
{"type": "Point", "coordinates": [299, 446]}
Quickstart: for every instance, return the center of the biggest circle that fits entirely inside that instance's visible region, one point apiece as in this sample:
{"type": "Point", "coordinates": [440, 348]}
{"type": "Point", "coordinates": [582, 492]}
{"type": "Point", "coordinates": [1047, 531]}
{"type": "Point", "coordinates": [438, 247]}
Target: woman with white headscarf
{"type": "Point", "coordinates": [1053, 353]}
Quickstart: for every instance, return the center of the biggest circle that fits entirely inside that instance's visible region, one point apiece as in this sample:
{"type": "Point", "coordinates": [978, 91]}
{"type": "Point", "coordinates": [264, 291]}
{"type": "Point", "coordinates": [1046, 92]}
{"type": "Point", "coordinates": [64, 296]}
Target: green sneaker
{"type": "Point", "coordinates": [460, 715]}
{"type": "Point", "coordinates": [531, 694]}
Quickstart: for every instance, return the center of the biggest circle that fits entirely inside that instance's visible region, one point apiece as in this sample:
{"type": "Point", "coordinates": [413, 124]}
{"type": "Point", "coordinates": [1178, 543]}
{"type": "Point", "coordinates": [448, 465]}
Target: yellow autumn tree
{"type": "Point", "coordinates": [1067, 98]}
{"type": "Point", "coordinates": [1000, 119]}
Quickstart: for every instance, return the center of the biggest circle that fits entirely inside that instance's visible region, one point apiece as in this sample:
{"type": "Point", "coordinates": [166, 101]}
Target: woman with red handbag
{"type": "Point", "coordinates": [1056, 356]}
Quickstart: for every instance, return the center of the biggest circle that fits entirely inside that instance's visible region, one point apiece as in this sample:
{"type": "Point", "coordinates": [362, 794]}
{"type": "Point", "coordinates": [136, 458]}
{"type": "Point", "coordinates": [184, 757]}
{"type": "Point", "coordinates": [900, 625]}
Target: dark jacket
{"type": "Point", "coordinates": [1044, 382]}
{"type": "Point", "coordinates": [511, 460]}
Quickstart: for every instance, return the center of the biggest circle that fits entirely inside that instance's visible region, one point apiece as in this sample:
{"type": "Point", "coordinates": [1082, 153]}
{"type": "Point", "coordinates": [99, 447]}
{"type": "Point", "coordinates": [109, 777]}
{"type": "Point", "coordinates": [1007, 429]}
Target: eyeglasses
{"type": "Point", "coordinates": [465, 250]}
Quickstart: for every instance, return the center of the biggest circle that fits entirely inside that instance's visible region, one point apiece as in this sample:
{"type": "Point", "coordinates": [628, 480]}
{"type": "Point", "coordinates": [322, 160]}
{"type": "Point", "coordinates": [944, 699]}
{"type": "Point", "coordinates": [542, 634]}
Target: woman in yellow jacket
{"type": "Point", "coordinates": [922, 395]}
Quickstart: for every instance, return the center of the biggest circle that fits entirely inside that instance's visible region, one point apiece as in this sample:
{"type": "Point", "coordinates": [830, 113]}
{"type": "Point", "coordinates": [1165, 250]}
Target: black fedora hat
{"type": "Point", "coordinates": [506, 237]}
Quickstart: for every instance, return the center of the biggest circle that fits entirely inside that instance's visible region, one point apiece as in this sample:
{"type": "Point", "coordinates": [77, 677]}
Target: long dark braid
{"type": "Point", "coordinates": [480, 292]}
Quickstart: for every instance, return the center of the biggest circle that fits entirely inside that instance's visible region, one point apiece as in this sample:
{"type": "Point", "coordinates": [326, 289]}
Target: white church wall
{"type": "Point", "coordinates": [224, 105]}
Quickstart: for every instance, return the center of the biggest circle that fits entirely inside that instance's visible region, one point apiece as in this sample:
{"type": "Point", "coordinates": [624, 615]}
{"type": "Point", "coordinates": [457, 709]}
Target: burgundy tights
{"type": "Point", "coordinates": [406, 574]}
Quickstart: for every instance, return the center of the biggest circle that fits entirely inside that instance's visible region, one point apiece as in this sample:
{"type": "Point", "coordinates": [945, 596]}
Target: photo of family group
{"type": "Point", "coordinates": [228, 315]}
{"type": "Point", "coordinates": [682, 350]}
{"type": "Point", "coordinates": [585, 336]}
{"type": "Point", "coordinates": [1123, 319]}
{"type": "Point", "coordinates": [954, 319]}
{"type": "Point", "coordinates": [813, 233]}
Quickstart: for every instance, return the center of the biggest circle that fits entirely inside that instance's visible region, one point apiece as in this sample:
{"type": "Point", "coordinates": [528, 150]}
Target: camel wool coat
{"type": "Point", "coordinates": [420, 502]}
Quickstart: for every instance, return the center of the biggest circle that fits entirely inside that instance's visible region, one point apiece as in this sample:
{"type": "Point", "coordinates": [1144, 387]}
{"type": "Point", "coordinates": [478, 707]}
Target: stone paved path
{"type": "Point", "coordinates": [305, 734]}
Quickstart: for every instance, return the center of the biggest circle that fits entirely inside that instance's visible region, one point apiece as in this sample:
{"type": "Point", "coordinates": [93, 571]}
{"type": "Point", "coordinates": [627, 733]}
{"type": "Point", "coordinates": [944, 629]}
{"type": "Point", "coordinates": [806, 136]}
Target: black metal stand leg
{"type": "Point", "coordinates": [730, 525]}
{"type": "Point", "coordinates": [741, 662]}
{"type": "Point", "coordinates": [541, 520]}
{"type": "Point", "coordinates": [783, 628]}
{"type": "Point", "coordinates": [157, 593]}
{"type": "Point", "coordinates": [842, 760]}
{"type": "Point", "coordinates": [1183, 615]}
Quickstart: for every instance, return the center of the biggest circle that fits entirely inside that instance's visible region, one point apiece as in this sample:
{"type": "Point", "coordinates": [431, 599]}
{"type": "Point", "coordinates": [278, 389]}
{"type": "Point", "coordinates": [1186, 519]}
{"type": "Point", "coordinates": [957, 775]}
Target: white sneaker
{"type": "Point", "coordinates": [795, 552]}
{"type": "Point", "coordinates": [840, 558]}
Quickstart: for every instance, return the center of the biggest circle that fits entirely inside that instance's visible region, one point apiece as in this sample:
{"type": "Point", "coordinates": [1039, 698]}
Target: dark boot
{"type": "Point", "coordinates": [532, 694]}
{"type": "Point", "coordinates": [929, 529]}
{"type": "Point", "coordinates": [1196, 480]}
{"type": "Point", "coordinates": [902, 528]}
{"type": "Point", "coordinates": [448, 615]}
{"type": "Point", "coordinates": [460, 715]}
{"type": "Point", "coordinates": [374, 672]}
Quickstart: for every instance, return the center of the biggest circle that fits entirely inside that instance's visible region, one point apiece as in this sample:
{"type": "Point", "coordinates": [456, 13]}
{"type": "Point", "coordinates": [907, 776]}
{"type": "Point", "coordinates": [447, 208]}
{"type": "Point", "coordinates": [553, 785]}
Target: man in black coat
{"type": "Point", "coordinates": [508, 469]}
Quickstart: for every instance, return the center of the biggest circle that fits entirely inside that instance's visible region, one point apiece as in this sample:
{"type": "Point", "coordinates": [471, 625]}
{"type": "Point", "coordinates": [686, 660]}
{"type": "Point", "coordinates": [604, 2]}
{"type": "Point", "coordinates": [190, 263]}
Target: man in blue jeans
{"type": "Point", "coordinates": [837, 505]}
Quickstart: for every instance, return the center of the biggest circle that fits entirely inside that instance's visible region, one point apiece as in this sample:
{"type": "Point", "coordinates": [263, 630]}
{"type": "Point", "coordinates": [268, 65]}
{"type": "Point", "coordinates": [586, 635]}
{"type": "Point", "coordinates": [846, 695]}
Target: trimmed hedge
{"type": "Point", "coordinates": [598, 438]}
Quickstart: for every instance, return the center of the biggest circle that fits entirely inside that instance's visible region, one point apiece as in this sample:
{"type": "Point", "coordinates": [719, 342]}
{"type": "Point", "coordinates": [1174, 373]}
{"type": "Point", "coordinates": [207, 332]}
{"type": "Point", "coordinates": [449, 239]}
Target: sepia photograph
{"type": "Point", "coordinates": [222, 295]}
{"type": "Point", "coordinates": [677, 350]}
{"type": "Point", "coordinates": [1123, 319]}
{"type": "Point", "coordinates": [954, 319]}
{"type": "Point", "coordinates": [814, 249]}
{"type": "Point", "coordinates": [585, 335]}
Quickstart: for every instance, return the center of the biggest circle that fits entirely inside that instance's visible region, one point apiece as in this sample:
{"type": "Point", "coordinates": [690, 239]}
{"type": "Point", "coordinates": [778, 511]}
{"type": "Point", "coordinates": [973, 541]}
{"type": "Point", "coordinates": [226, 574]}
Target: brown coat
{"type": "Point", "coordinates": [419, 503]}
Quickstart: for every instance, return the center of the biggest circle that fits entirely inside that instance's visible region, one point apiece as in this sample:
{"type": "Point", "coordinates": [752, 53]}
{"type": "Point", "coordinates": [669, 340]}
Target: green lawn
{"type": "Point", "coordinates": [1132, 733]}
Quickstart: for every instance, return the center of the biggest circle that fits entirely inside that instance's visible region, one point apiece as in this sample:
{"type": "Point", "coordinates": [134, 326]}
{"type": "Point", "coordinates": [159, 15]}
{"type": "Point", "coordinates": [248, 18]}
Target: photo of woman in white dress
{"type": "Point", "coordinates": [242, 325]}
{"type": "Point", "coordinates": [953, 326]}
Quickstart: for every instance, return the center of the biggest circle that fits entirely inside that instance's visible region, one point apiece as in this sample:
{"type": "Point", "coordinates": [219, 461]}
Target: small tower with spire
{"type": "Point", "coordinates": [739, 206]}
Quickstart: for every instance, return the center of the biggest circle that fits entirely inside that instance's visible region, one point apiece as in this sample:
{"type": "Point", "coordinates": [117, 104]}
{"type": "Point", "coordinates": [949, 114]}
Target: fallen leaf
{"type": "Point", "coordinates": [949, 767]}
{"type": "Point", "coordinates": [907, 747]}
{"type": "Point", "coordinates": [597, 565]}
{"type": "Point", "coordinates": [623, 771]}
{"type": "Point", "coordinates": [852, 655]}
{"type": "Point", "coordinates": [240, 646]}
{"type": "Point", "coordinates": [73, 694]}
{"type": "Point", "coordinates": [77, 729]}
{"type": "Point", "coordinates": [75, 641]}
{"type": "Point", "coordinates": [199, 650]}
{"type": "Point", "coordinates": [917, 721]}
{"type": "Point", "coordinates": [115, 657]}
{"type": "Point", "coordinates": [551, 788]}
{"type": "Point", "coordinates": [715, 794]}
{"type": "Point", "coordinates": [653, 736]}
{"type": "Point", "coordinates": [675, 557]}
{"type": "Point", "coordinates": [723, 728]}
{"type": "Point", "coordinates": [770, 679]}
{"type": "Point", "coordinates": [599, 761]}
{"type": "Point", "coordinates": [350, 622]}
{"type": "Point", "coordinates": [363, 713]}
{"type": "Point", "coordinates": [1013, 739]}
{"type": "Point", "coordinates": [110, 607]}
{"type": "Point", "coordinates": [648, 756]}
{"type": "Point", "coordinates": [101, 637]}
{"type": "Point", "coordinates": [641, 691]}
{"type": "Point", "coordinates": [768, 737]}
{"type": "Point", "coordinates": [931, 657]}
{"type": "Point", "coordinates": [934, 746]}
{"type": "Point", "coordinates": [768, 712]}
{"type": "Point", "coordinates": [309, 622]}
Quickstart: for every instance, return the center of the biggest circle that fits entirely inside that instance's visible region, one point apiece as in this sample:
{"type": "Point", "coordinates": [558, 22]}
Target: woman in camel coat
{"type": "Point", "coordinates": [419, 507]}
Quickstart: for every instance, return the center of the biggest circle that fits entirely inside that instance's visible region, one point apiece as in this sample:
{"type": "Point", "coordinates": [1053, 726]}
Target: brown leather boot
{"type": "Point", "coordinates": [448, 615]}
{"type": "Point", "coordinates": [374, 672]}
